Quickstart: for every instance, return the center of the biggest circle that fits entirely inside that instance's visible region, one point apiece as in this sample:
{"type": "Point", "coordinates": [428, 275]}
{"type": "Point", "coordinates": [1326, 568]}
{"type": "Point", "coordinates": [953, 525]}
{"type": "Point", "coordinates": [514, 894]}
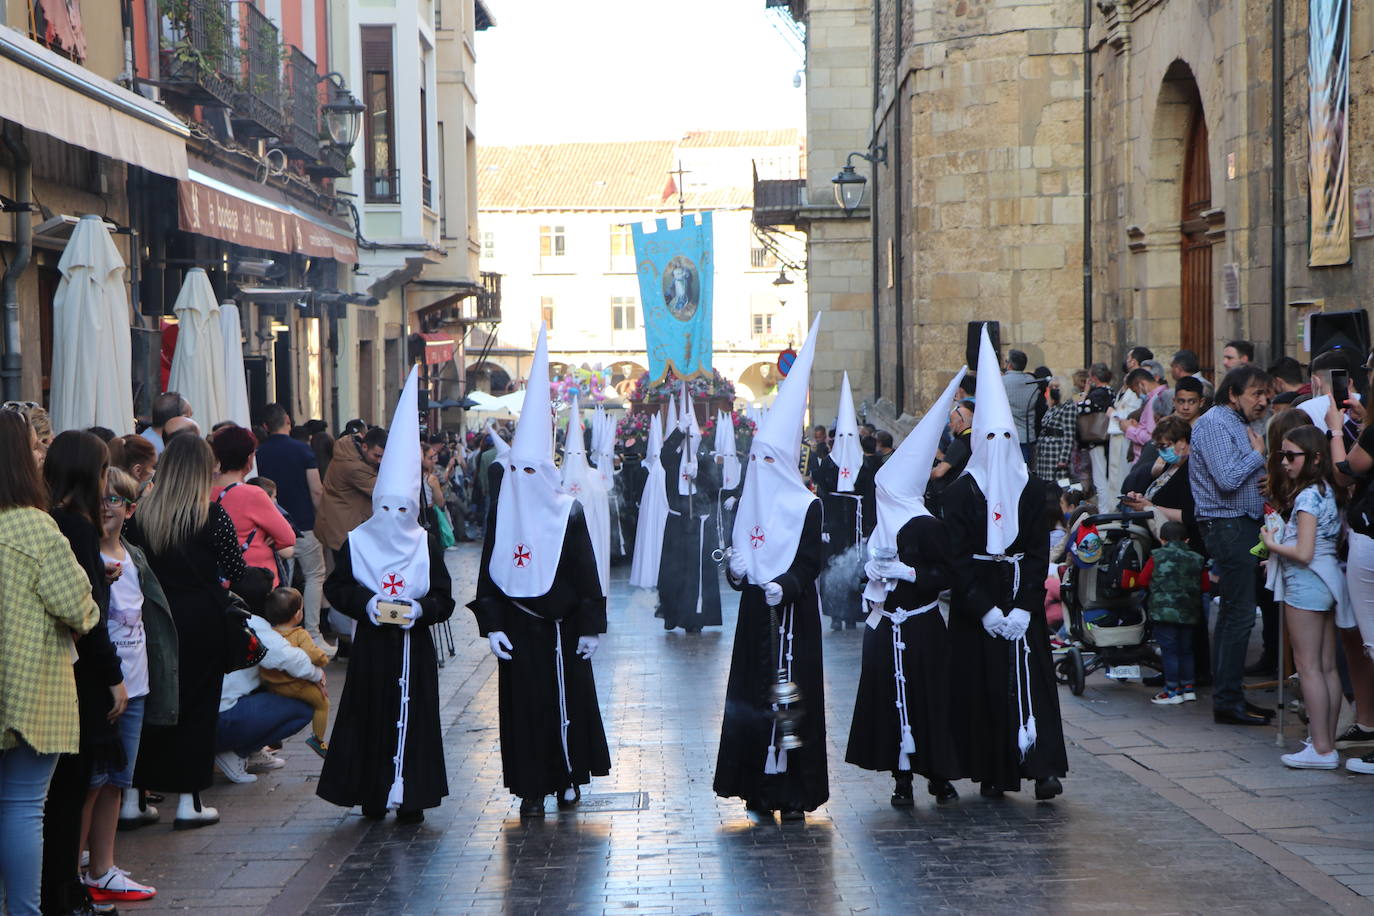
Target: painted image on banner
{"type": "Point", "coordinates": [681, 287]}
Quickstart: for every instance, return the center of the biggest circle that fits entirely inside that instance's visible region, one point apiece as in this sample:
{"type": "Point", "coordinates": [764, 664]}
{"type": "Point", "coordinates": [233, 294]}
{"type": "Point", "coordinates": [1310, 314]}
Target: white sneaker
{"type": "Point", "coordinates": [1363, 764]}
{"type": "Point", "coordinates": [1309, 759]}
{"type": "Point", "coordinates": [263, 760]}
{"type": "Point", "coordinates": [116, 885]}
{"type": "Point", "coordinates": [85, 859]}
{"type": "Point", "coordinates": [234, 767]}
{"type": "Point", "coordinates": [329, 648]}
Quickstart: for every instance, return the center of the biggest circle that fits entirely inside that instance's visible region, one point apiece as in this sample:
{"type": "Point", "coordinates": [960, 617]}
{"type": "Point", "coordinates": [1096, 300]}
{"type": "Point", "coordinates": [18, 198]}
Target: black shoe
{"type": "Point", "coordinates": [942, 790]}
{"type": "Point", "coordinates": [1237, 717]}
{"type": "Point", "coordinates": [692, 629]}
{"type": "Point", "coordinates": [567, 804]}
{"type": "Point", "coordinates": [1259, 710]}
{"type": "Point", "coordinates": [374, 814]}
{"type": "Point", "coordinates": [988, 790]}
{"type": "Point", "coordinates": [532, 807]}
{"type": "Point", "coordinates": [792, 814]}
{"type": "Point", "coordinates": [850, 624]}
{"type": "Point", "coordinates": [754, 806]}
{"type": "Point", "coordinates": [836, 624]}
{"type": "Point", "coordinates": [902, 796]}
{"type": "Point", "coordinates": [1048, 788]}
{"type": "Point", "coordinates": [1154, 680]}
{"type": "Point", "coordinates": [1266, 668]}
{"type": "Point", "coordinates": [410, 816]}
{"type": "Point", "coordinates": [1354, 735]}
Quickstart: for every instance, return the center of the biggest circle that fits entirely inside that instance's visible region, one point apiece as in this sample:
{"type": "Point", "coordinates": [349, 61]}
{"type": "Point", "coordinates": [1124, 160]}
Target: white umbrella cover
{"type": "Point", "coordinates": [91, 365]}
{"type": "Point", "coordinates": [235, 378]}
{"type": "Point", "coordinates": [198, 363]}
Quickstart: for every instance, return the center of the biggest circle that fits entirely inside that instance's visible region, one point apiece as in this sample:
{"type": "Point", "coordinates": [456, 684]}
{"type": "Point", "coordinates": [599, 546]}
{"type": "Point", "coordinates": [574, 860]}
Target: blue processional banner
{"type": "Point", "coordinates": [676, 275]}
{"type": "Point", "coordinates": [1328, 134]}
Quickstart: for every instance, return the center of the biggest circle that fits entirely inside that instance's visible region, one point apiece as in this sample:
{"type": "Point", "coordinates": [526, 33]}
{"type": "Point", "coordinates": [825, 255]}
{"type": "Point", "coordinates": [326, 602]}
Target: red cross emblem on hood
{"type": "Point", "coordinates": [845, 472]}
{"type": "Point", "coordinates": [756, 537]}
{"type": "Point", "coordinates": [393, 584]}
{"type": "Point", "coordinates": [522, 556]}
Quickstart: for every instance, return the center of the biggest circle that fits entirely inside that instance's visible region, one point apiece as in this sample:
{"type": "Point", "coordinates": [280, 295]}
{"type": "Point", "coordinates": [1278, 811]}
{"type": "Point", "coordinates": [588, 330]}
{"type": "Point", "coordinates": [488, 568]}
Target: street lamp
{"type": "Point", "coordinates": [850, 185]}
{"type": "Point", "coordinates": [343, 114]}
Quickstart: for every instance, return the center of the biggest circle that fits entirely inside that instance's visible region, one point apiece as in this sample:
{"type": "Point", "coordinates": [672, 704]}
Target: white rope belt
{"type": "Point", "coordinates": [906, 744]}
{"type": "Point", "coordinates": [563, 721]}
{"type": "Point", "coordinates": [858, 514]}
{"type": "Point", "coordinates": [1013, 558]}
{"type": "Point", "coordinates": [776, 761]}
{"type": "Point", "coordinates": [396, 796]}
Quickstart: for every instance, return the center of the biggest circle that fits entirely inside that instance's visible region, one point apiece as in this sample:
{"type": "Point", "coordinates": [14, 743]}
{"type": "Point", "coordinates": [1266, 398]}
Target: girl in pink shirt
{"type": "Point", "coordinates": [261, 528]}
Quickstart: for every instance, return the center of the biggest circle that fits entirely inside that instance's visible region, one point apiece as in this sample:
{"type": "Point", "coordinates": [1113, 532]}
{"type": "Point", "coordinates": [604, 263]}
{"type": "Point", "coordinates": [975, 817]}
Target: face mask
{"type": "Point", "coordinates": [1168, 455]}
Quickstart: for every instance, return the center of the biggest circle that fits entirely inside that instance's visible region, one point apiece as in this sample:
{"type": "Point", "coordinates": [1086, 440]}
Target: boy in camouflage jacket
{"type": "Point", "coordinates": [1176, 581]}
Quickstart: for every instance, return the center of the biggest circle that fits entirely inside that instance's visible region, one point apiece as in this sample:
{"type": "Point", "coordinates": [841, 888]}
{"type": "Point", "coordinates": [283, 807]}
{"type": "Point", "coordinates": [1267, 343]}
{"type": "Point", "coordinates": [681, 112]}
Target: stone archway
{"type": "Point", "coordinates": [758, 382]}
{"type": "Point", "coordinates": [1178, 273]}
{"type": "Point", "coordinates": [489, 377]}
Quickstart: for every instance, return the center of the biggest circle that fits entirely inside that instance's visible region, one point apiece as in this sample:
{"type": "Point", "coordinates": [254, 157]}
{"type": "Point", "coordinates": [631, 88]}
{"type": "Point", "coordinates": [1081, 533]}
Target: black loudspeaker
{"type": "Point", "coordinates": [974, 340]}
{"type": "Point", "coordinates": [1343, 330]}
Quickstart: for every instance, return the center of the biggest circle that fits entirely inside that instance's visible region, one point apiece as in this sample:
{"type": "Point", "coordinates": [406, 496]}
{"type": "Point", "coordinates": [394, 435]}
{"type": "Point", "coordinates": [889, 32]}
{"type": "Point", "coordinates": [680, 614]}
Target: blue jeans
{"type": "Point", "coordinates": [1229, 541]}
{"type": "Point", "coordinates": [130, 727]}
{"type": "Point", "coordinates": [1176, 649]}
{"type": "Point", "coordinates": [258, 719]}
{"type": "Point", "coordinates": [24, 777]}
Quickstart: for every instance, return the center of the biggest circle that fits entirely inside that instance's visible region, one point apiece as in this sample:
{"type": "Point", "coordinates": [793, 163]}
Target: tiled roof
{"type": "Point", "coordinates": [632, 175]}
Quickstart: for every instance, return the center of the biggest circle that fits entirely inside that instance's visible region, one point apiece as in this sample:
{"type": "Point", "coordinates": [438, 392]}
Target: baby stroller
{"type": "Point", "coordinates": [1103, 606]}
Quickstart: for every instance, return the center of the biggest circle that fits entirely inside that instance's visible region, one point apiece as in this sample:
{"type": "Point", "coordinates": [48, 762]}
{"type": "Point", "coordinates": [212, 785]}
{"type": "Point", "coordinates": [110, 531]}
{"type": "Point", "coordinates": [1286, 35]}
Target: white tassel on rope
{"type": "Point", "coordinates": [1022, 739]}
{"type": "Point", "coordinates": [906, 744]}
{"type": "Point", "coordinates": [563, 720]}
{"type": "Point", "coordinates": [397, 794]}
{"type": "Point", "coordinates": [1030, 699]}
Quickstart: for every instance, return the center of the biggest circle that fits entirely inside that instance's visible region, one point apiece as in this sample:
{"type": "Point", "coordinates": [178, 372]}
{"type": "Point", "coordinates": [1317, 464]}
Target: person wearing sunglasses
{"type": "Point", "coordinates": [1307, 578]}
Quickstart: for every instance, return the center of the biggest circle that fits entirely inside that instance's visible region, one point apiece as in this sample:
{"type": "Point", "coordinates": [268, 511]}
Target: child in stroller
{"type": "Point", "coordinates": [1104, 595]}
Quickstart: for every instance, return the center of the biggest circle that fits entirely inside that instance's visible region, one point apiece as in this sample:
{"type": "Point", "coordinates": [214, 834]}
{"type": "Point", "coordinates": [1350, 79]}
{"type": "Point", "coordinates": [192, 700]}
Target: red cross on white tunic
{"type": "Point", "coordinates": [522, 556]}
{"type": "Point", "coordinates": [575, 489]}
{"type": "Point", "coordinates": [845, 473]}
{"type": "Point", "coordinates": [756, 537]}
{"type": "Point", "coordinates": [393, 584]}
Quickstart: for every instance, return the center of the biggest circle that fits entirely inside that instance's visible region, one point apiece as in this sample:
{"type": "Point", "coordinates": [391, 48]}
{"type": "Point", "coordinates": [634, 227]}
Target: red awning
{"type": "Point", "coordinates": [439, 348]}
{"type": "Point", "coordinates": [211, 207]}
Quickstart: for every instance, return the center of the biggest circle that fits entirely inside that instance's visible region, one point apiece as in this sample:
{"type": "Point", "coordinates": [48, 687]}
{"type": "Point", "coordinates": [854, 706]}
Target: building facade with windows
{"type": "Point", "coordinates": [556, 223]}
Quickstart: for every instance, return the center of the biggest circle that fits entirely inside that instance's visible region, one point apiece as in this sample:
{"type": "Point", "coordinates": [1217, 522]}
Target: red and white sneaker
{"type": "Point", "coordinates": [116, 884]}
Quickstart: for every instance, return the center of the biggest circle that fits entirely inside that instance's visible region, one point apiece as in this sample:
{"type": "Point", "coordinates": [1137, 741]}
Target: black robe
{"type": "Point", "coordinates": [849, 518]}
{"type": "Point", "coordinates": [688, 579]}
{"type": "Point", "coordinates": [984, 701]}
{"type": "Point", "coordinates": [875, 732]}
{"type": "Point", "coordinates": [358, 769]}
{"type": "Point", "coordinates": [747, 730]}
{"type": "Point", "coordinates": [532, 749]}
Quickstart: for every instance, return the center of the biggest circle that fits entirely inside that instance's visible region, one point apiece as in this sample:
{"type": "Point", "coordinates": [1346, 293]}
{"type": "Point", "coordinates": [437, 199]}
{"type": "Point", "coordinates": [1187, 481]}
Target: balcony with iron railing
{"type": "Point", "coordinates": [257, 108]}
{"type": "Point", "coordinates": [382, 187]}
{"type": "Point", "coordinates": [199, 59]}
{"type": "Point", "coordinates": [489, 299]}
{"type": "Point", "coordinates": [302, 104]}
{"type": "Point", "coordinates": [427, 191]}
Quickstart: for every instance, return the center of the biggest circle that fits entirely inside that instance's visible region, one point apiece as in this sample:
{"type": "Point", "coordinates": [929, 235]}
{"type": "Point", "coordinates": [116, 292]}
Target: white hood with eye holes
{"type": "Point", "coordinates": [997, 464]}
{"type": "Point", "coordinates": [390, 551]}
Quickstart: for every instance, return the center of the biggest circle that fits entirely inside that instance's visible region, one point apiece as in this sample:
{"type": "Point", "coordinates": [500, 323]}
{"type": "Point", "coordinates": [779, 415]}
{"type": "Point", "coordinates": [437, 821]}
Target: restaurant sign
{"type": "Point", "coordinates": [207, 210]}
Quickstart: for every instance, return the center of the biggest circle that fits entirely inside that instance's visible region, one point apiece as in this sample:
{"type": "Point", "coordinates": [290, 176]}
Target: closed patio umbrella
{"type": "Point", "coordinates": [235, 378]}
{"type": "Point", "coordinates": [198, 363]}
{"type": "Point", "coordinates": [92, 381]}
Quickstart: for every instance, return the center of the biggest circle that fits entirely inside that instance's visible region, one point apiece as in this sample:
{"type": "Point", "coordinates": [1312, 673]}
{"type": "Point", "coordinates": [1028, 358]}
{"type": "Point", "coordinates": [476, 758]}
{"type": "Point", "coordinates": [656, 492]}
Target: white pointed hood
{"type": "Point", "coordinates": [501, 445]}
{"type": "Point", "coordinates": [691, 444]}
{"type": "Point", "coordinates": [532, 509]}
{"type": "Point", "coordinates": [900, 484]}
{"type": "Point", "coordinates": [774, 503]}
{"type": "Point", "coordinates": [653, 513]}
{"type": "Point", "coordinates": [582, 482]}
{"type": "Point", "coordinates": [390, 551]}
{"type": "Point", "coordinates": [727, 450]}
{"type": "Point", "coordinates": [845, 452]}
{"type": "Point", "coordinates": [671, 422]}
{"type": "Point", "coordinates": [997, 464]}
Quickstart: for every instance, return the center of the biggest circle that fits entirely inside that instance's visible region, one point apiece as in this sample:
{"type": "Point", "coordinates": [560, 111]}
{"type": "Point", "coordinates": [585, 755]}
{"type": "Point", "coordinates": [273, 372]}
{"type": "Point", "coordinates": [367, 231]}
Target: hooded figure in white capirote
{"type": "Point", "coordinates": [689, 574]}
{"type": "Point", "coordinates": [585, 484]}
{"type": "Point", "coordinates": [541, 607]}
{"type": "Point", "coordinates": [653, 513]}
{"type": "Point", "coordinates": [844, 482]}
{"type": "Point", "coordinates": [901, 710]}
{"type": "Point", "coordinates": [1005, 701]}
{"type": "Point", "coordinates": [386, 750]}
{"type": "Point", "coordinates": [775, 556]}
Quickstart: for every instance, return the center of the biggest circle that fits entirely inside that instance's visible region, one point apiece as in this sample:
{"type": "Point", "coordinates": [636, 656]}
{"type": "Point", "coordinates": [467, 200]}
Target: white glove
{"type": "Point", "coordinates": [500, 645]}
{"type": "Point", "coordinates": [1017, 622]}
{"type": "Point", "coordinates": [772, 593]}
{"type": "Point", "coordinates": [586, 646]}
{"type": "Point", "coordinates": [825, 537]}
{"type": "Point", "coordinates": [730, 502]}
{"type": "Point", "coordinates": [995, 622]}
{"type": "Point", "coordinates": [889, 569]}
{"type": "Point", "coordinates": [372, 610]}
{"type": "Point", "coordinates": [738, 566]}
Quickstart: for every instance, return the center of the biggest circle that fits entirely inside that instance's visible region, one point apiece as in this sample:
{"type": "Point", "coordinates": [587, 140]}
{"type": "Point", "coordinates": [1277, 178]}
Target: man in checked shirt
{"type": "Point", "coordinates": [1225, 470]}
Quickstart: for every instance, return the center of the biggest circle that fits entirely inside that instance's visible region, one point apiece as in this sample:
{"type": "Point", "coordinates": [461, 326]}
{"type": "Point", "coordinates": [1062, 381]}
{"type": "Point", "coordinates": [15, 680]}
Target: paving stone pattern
{"type": "Point", "coordinates": [1163, 813]}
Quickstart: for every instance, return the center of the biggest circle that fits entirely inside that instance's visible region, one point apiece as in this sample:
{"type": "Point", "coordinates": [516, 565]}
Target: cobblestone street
{"type": "Point", "coordinates": [1163, 812]}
